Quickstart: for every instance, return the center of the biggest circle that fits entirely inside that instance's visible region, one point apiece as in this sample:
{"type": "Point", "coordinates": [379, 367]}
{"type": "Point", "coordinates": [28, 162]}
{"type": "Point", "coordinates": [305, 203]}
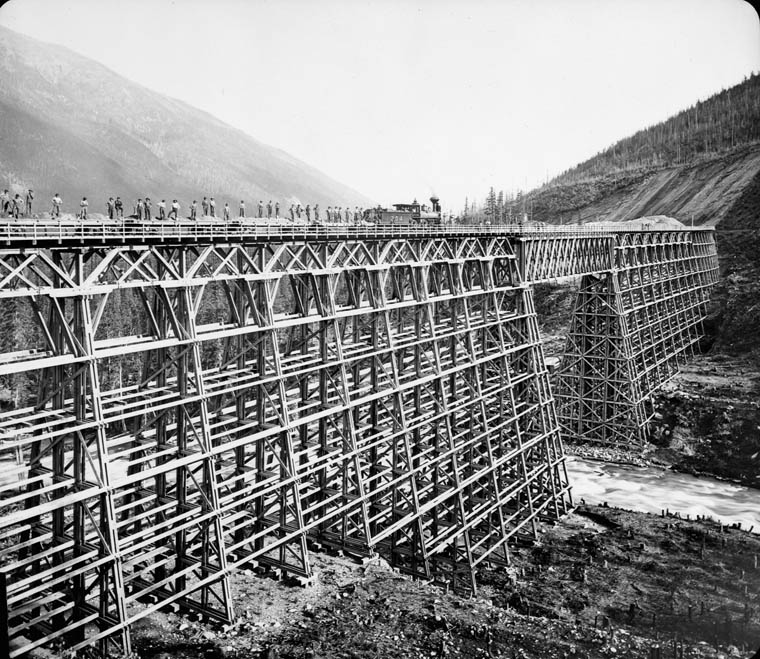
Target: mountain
{"type": "Point", "coordinates": [70, 125]}
{"type": "Point", "coordinates": [701, 165]}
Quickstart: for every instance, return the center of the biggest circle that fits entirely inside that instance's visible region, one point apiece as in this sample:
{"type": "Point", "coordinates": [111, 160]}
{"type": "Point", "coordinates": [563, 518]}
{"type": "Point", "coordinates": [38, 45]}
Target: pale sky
{"type": "Point", "coordinates": [399, 98]}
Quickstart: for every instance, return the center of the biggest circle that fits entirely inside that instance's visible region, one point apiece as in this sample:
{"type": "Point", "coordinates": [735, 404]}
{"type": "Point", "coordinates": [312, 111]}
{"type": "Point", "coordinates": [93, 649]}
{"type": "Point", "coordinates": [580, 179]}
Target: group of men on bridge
{"type": "Point", "coordinates": [143, 209]}
{"type": "Point", "coordinates": [16, 206]}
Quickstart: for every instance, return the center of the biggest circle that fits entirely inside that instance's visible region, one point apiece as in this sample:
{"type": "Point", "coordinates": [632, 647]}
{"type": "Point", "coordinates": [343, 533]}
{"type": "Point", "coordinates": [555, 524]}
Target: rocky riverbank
{"type": "Point", "coordinates": [604, 583]}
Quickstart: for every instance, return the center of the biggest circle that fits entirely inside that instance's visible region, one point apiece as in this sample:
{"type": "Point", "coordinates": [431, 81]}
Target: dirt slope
{"type": "Point", "coordinates": [704, 191]}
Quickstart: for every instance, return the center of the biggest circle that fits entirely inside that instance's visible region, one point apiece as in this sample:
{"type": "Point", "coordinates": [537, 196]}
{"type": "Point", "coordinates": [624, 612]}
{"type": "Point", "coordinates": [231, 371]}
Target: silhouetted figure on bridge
{"type": "Point", "coordinates": [111, 208]}
{"type": "Point", "coordinates": [328, 213]}
{"type": "Point", "coordinates": [204, 206]}
{"type": "Point", "coordinates": [83, 208]}
{"type": "Point", "coordinates": [316, 212]}
{"type": "Point", "coordinates": [148, 215]}
{"type": "Point", "coordinates": [162, 209]}
{"type": "Point", "coordinates": [261, 208]}
{"type": "Point", "coordinates": [140, 209]}
{"type": "Point", "coordinates": [194, 210]}
{"type": "Point", "coordinates": [307, 210]}
{"type": "Point", "coordinates": [55, 211]}
{"type": "Point", "coordinates": [226, 212]}
{"type": "Point", "coordinates": [292, 213]}
{"type": "Point", "coordinates": [298, 211]}
{"type": "Point", "coordinates": [5, 202]}
{"type": "Point", "coordinates": [241, 209]}
{"type": "Point", "coordinates": [212, 207]}
{"type": "Point", "coordinates": [29, 199]}
{"type": "Point", "coordinates": [119, 206]}
{"type": "Point", "coordinates": [175, 210]}
{"type": "Point", "coordinates": [269, 210]}
{"type": "Point", "coordinates": [16, 206]}
{"type": "Point", "coordinates": [277, 209]}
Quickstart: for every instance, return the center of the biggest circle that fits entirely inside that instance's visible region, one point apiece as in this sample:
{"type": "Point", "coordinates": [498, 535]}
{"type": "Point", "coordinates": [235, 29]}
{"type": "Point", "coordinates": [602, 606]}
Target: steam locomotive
{"type": "Point", "coordinates": [406, 214]}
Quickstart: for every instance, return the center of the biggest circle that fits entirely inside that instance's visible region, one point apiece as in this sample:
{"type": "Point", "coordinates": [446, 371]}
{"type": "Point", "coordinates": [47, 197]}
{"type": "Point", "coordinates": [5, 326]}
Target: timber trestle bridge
{"type": "Point", "coordinates": [204, 396]}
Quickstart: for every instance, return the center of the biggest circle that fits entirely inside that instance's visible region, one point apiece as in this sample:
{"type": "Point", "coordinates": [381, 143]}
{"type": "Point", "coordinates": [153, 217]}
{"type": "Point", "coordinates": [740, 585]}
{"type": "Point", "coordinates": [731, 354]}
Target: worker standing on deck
{"type": "Point", "coordinates": [226, 211]}
{"type": "Point", "coordinates": [316, 212]}
{"type": "Point", "coordinates": [4, 202]}
{"type": "Point", "coordinates": [110, 208]}
{"type": "Point", "coordinates": [140, 209]}
{"type": "Point", "coordinates": [328, 213]}
{"type": "Point", "coordinates": [175, 210]}
{"type": "Point", "coordinates": [162, 209]}
{"type": "Point", "coordinates": [16, 208]}
{"type": "Point", "coordinates": [241, 209]}
{"type": "Point", "coordinates": [307, 210]}
{"type": "Point", "coordinates": [194, 210]}
{"type": "Point", "coordinates": [261, 208]}
{"type": "Point", "coordinates": [212, 207]}
{"type": "Point", "coordinates": [298, 211]}
{"type": "Point", "coordinates": [29, 199]}
{"type": "Point", "coordinates": [204, 206]}
{"type": "Point", "coordinates": [277, 209]}
{"type": "Point", "coordinates": [292, 214]}
{"type": "Point", "coordinates": [83, 208]}
{"type": "Point", "coordinates": [119, 206]}
{"type": "Point", "coordinates": [146, 211]}
{"type": "Point", "coordinates": [269, 210]}
{"type": "Point", "coordinates": [57, 203]}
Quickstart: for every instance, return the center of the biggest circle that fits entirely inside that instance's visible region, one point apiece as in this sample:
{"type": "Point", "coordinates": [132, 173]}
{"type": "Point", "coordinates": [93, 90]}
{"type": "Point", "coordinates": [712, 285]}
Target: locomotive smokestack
{"type": "Point", "coordinates": [436, 206]}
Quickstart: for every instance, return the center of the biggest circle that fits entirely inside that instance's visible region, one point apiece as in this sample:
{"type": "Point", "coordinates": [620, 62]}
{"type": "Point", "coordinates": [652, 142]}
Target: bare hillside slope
{"type": "Point", "coordinates": [71, 125]}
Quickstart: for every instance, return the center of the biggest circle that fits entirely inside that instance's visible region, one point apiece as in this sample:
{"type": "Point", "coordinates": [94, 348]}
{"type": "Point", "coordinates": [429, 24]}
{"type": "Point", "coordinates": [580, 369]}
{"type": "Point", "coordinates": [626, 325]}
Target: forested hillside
{"type": "Point", "coordinates": [724, 121]}
{"type": "Point", "coordinates": [694, 166]}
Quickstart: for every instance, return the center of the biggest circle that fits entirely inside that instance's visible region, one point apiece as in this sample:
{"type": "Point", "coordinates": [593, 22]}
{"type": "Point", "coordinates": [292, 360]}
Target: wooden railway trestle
{"type": "Point", "coordinates": [369, 390]}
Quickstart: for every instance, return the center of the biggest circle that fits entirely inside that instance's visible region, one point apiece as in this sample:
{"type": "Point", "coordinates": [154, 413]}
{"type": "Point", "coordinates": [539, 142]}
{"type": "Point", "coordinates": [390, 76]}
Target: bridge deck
{"type": "Point", "coordinates": [20, 233]}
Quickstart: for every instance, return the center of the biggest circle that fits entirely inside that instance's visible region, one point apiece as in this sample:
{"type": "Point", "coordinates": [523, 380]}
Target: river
{"type": "Point", "coordinates": [652, 489]}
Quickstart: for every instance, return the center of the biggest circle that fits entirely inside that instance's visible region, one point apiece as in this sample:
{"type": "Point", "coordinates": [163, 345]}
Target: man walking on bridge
{"type": "Point", "coordinates": [57, 203]}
